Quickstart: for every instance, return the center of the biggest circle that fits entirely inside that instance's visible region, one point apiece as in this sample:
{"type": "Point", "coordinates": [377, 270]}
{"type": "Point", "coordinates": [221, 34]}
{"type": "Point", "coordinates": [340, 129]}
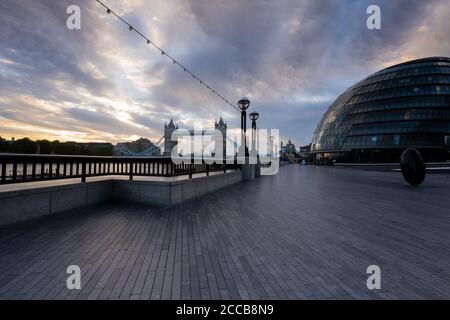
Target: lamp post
{"type": "Point", "coordinates": [254, 116]}
{"type": "Point", "coordinates": [243, 105]}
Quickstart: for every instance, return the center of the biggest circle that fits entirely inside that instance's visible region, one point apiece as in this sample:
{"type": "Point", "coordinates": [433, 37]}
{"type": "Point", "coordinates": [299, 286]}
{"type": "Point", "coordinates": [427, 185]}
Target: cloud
{"type": "Point", "coordinates": [292, 58]}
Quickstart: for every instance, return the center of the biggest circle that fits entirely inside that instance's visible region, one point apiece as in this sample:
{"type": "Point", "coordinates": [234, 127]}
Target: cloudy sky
{"type": "Point", "coordinates": [291, 57]}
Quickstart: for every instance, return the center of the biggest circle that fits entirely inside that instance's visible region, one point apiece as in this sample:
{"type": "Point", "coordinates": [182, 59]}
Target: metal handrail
{"type": "Point", "coordinates": [17, 168]}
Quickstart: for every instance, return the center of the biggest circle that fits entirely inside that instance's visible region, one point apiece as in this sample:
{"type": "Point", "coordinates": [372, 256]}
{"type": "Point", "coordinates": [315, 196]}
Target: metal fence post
{"type": "Point", "coordinates": [131, 170]}
{"type": "Point", "coordinates": [3, 171]}
{"type": "Point", "coordinates": [83, 171]}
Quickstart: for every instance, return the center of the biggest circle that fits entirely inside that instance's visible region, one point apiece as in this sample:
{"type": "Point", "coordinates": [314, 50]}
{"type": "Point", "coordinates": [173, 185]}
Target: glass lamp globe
{"type": "Point", "coordinates": [244, 103]}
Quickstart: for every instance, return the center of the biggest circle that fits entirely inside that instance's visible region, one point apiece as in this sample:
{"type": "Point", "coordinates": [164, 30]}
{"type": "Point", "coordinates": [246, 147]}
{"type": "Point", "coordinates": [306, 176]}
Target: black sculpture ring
{"type": "Point", "coordinates": [413, 166]}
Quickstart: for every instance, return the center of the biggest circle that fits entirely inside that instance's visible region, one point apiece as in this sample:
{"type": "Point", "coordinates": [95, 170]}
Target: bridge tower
{"type": "Point", "coordinates": [168, 143]}
{"type": "Point", "coordinates": [222, 127]}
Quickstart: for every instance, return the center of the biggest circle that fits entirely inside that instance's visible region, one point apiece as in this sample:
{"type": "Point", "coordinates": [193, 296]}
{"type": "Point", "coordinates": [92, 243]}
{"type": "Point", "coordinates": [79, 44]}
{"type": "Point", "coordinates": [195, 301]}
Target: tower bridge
{"type": "Point", "coordinates": [171, 127]}
{"type": "Point", "coordinates": [164, 145]}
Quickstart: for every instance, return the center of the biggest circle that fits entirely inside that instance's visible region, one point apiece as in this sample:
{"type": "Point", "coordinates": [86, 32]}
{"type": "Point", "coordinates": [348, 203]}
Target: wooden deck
{"type": "Point", "coordinates": [309, 232]}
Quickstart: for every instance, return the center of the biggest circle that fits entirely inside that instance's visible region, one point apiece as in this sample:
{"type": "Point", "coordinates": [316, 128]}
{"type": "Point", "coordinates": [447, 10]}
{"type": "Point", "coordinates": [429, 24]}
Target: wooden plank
{"type": "Point", "coordinates": [306, 233]}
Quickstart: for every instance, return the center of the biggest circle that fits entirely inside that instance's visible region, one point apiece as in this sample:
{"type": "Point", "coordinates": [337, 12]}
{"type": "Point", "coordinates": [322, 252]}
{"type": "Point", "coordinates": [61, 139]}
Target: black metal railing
{"type": "Point", "coordinates": [16, 168]}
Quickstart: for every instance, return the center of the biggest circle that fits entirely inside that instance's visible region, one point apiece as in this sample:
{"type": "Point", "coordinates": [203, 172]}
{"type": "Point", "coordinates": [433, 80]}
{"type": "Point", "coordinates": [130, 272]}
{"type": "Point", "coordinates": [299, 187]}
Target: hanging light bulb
{"type": "Point", "coordinates": [108, 11]}
{"type": "Point", "coordinates": [148, 41]}
{"type": "Point", "coordinates": [130, 28]}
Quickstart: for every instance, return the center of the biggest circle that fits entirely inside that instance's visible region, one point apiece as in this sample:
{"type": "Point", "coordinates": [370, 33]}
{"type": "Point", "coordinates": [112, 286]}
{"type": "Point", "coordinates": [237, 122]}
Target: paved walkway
{"type": "Point", "coordinates": [309, 232]}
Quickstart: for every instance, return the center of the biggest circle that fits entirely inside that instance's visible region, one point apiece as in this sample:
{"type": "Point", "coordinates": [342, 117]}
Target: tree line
{"type": "Point", "coordinates": [26, 145]}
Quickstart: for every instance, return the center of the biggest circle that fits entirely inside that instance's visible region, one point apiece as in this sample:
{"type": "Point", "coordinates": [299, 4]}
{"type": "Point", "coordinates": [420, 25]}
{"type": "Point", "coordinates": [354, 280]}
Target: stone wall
{"type": "Point", "coordinates": [25, 204]}
{"type": "Point", "coordinates": [170, 193]}
{"type": "Point", "coordinates": [20, 205]}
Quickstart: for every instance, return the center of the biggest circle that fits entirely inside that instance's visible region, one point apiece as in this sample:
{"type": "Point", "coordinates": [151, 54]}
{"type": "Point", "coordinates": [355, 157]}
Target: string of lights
{"type": "Point", "coordinates": [164, 53]}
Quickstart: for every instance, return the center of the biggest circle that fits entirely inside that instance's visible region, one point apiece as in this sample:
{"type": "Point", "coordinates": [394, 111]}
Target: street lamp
{"type": "Point", "coordinates": [254, 116]}
{"type": "Point", "coordinates": [243, 105]}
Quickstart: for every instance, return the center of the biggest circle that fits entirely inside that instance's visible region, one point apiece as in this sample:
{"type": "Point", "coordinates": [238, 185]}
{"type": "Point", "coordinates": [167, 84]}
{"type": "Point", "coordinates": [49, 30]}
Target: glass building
{"type": "Point", "coordinates": [406, 105]}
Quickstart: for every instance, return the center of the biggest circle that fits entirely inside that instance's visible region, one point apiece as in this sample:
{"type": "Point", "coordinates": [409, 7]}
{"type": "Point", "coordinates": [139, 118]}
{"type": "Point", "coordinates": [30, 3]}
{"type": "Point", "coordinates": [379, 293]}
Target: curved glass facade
{"type": "Point", "coordinates": [406, 105]}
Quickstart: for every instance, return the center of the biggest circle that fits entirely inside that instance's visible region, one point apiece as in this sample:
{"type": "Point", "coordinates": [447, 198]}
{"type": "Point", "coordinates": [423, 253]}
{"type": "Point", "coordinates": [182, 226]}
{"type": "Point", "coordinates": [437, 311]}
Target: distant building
{"type": "Point", "coordinates": [304, 150]}
{"type": "Point", "coordinates": [288, 152]}
{"type": "Point", "coordinates": [305, 154]}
